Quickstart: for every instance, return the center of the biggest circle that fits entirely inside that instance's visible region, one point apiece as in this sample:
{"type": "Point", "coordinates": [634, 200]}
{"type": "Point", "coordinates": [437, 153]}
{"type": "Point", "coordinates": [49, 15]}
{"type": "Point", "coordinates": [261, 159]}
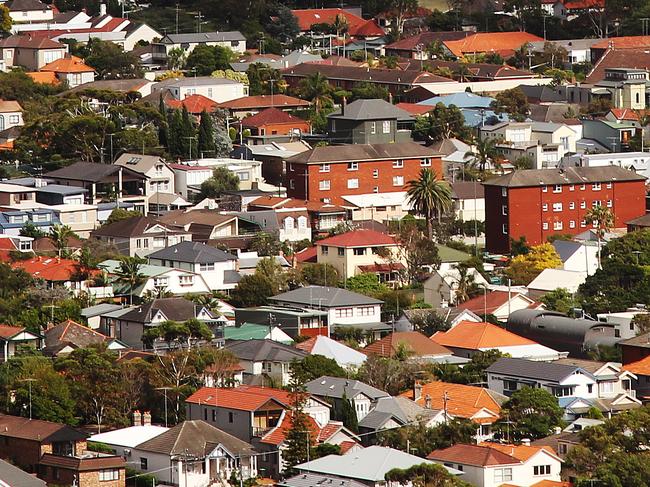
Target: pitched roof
{"type": "Point", "coordinates": [336, 387]}
{"type": "Point", "coordinates": [244, 398]}
{"type": "Point", "coordinates": [309, 479]}
{"type": "Point", "coordinates": [490, 302]}
{"type": "Point", "coordinates": [529, 369]}
{"type": "Point", "coordinates": [466, 190]}
{"type": "Point", "coordinates": [131, 227]}
{"type": "Point", "coordinates": [8, 331]}
{"type": "Point", "coordinates": [68, 64]}
{"type": "Point", "coordinates": [501, 42]}
{"type": "Point", "coordinates": [400, 409]}
{"type": "Point", "coordinates": [264, 350]}
{"type": "Point", "coordinates": [12, 476]}
{"type": "Point", "coordinates": [415, 342]}
{"type": "Point", "coordinates": [623, 42]}
{"type": "Point", "coordinates": [202, 217]}
{"type": "Point", "coordinates": [615, 58]}
{"type": "Point", "coordinates": [414, 108]}
{"type": "Point", "coordinates": [195, 252]}
{"type": "Point", "coordinates": [357, 73]}
{"type": "Point", "coordinates": [569, 175]}
{"type": "Point", "coordinates": [370, 109]}
{"type": "Point", "coordinates": [195, 104]}
{"type": "Point", "coordinates": [640, 367]}
{"type": "Point", "coordinates": [44, 77]}
{"type": "Point", "coordinates": [311, 16]}
{"type": "Point", "coordinates": [263, 101]}
{"type": "Point", "coordinates": [71, 333]}
{"type": "Point", "coordinates": [29, 42]}
{"type": "Point", "coordinates": [175, 309]}
{"type": "Point", "coordinates": [37, 430]}
{"type": "Point", "coordinates": [203, 37]}
{"type": "Point", "coordinates": [358, 238]}
{"type": "Point", "coordinates": [478, 336]}
{"type": "Point", "coordinates": [330, 348]}
{"type": "Point", "coordinates": [90, 171]}
{"type": "Point", "coordinates": [476, 455]}
{"type": "Point", "coordinates": [26, 5]}
{"type": "Point", "coordinates": [270, 116]}
{"type": "Point", "coordinates": [278, 434]}
{"type": "Point", "coordinates": [520, 452]}
{"type": "Point", "coordinates": [196, 438]}
{"type": "Point", "coordinates": [52, 269]}
{"type": "Point", "coordinates": [426, 38]}
{"type": "Point", "coordinates": [10, 106]}
{"type": "Point", "coordinates": [325, 297]}
{"type": "Point", "coordinates": [362, 152]}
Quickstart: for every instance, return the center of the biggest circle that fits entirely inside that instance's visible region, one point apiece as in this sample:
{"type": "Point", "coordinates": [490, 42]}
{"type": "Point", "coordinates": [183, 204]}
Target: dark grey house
{"type": "Point", "coordinates": [294, 321]}
{"type": "Point", "coordinates": [369, 122]}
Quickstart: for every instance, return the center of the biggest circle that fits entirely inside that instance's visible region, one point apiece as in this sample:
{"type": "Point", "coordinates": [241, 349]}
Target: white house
{"type": "Point", "coordinates": [233, 40]}
{"type": "Point", "coordinates": [217, 89]}
{"type": "Point", "coordinates": [638, 162]}
{"type": "Point", "coordinates": [494, 464]}
{"type": "Point", "coordinates": [551, 279]}
{"type": "Point", "coordinates": [160, 178]}
{"type": "Point", "coordinates": [577, 256]}
{"type": "Point", "coordinates": [216, 267]}
{"type": "Point", "coordinates": [11, 114]}
{"type": "Point", "coordinates": [29, 11]}
{"type": "Point", "coordinates": [469, 200]}
{"type": "Point", "coordinates": [123, 440]}
{"type": "Point", "coordinates": [440, 288]}
{"type": "Point", "coordinates": [361, 396]}
{"type": "Point", "coordinates": [622, 321]}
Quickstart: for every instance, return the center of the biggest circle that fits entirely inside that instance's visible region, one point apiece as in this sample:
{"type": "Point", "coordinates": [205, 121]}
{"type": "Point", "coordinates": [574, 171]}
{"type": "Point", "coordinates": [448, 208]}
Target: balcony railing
{"type": "Point", "coordinates": [259, 431]}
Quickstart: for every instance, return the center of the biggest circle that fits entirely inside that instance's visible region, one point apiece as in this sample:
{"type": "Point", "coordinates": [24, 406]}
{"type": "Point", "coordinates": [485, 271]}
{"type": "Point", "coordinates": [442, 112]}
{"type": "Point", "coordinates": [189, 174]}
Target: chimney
{"type": "Point", "coordinates": [525, 442]}
{"type": "Point", "coordinates": [390, 98]}
{"type": "Point", "coordinates": [102, 9]}
{"type": "Point", "coordinates": [137, 418]}
{"type": "Point", "coordinates": [146, 418]}
{"type": "Point", "coordinates": [417, 391]}
{"type": "Point", "coordinates": [427, 401]}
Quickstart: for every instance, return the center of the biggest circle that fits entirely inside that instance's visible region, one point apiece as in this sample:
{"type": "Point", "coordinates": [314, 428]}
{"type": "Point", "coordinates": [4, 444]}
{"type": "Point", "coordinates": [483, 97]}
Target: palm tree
{"type": "Point", "coordinates": [429, 196]}
{"type": "Point", "coordinates": [340, 24]}
{"type": "Point", "coordinates": [463, 72]}
{"type": "Point", "coordinates": [484, 154]}
{"type": "Point", "coordinates": [466, 286]}
{"type": "Point", "coordinates": [129, 274]}
{"type": "Point", "coordinates": [603, 218]}
{"type": "Point", "coordinates": [59, 235]}
{"type": "Point", "coordinates": [316, 88]}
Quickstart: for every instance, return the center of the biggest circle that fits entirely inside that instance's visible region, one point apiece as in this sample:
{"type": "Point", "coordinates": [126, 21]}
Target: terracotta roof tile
{"type": "Point", "coordinates": [477, 455]}
{"type": "Point", "coordinates": [263, 101]}
{"type": "Point", "coordinates": [520, 452]}
{"type": "Point", "coordinates": [625, 42]}
{"type": "Point", "coordinates": [277, 435]}
{"type": "Point", "coordinates": [308, 17]}
{"type": "Point", "coordinates": [416, 342]}
{"type": "Point", "coordinates": [358, 238]}
{"type": "Point", "coordinates": [195, 104]}
{"type": "Point", "coordinates": [245, 398]}
{"type": "Point", "coordinates": [271, 116]}
{"type": "Point", "coordinates": [583, 4]}
{"type": "Point", "coordinates": [487, 303]}
{"type": "Point", "coordinates": [491, 42]}
{"type": "Point", "coordinates": [640, 367]}
{"type": "Point", "coordinates": [68, 64]}
{"type": "Point", "coordinates": [10, 106]}
{"type": "Point", "coordinates": [46, 78]}
{"type": "Point", "coordinates": [8, 331]}
{"type": "Point", "coordinates": [310, 255]}
{"type": "Point", "coordinates": [48, 268]}
{"type": "Point", "coordinates": [415, 108]}
{"type": "Point", "coordinates": [615, 58]}
{"type": "Point", "coordinates": [477, 336]}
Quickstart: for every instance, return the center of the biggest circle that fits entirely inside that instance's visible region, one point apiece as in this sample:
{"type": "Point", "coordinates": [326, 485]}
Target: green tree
{"type": "Point", "coordinates": [369, 91]}
{"type": "Point", "coordinates": [119, 214]}
{"type": "Point", "coordinates": [485, 154]}
{"type": "Point", "coordinates": [31, 230]}
{"type": "Point", "coordinates": [316, 88]}
{"type": "Point", "coordinates": [347, 414]}
{"type": "Point", "coordinates": [204, 59]}
{"type": "Point", "coordinates": [266, 244]}
{"type": "Point", "coordinates": [429, 196]}
{"type": "Point", "coordinates": [424, 440]}
{"type": "Point", "coordinates": [366, 283]}
{"type": "Point", "coordinates": [5, 20]}
{"type": "Point", "coordinates": [299, 438]}
{"type": "Point", "coordinates": [513, 102]}
{"type": "Point", "coordinates": [320, 274]}
{"type": "Point", "coordinates": [177, 334]}
{"type": "Point", "coordinates": [642, 323]}
{"type": "Point", "coordinates": [60, 235]}
{"type": "Point", "coordinates": [533, 413]}
{"type": "Point", "coordinates": [560, 299]}
{"type": "Point", "coordinates": [416, 250]}
{"type": "Point", "coordinates": [176, 59]}
{"type": "Point", "coordinates": [129, 273]}
{"type": "Point", "coordinates": [441, 123]}
{"type": "Point", "coordinates": [111, 62]}
{"type": "Point", "coordinates": [163, 129]}
{"type": "Point", "coordinates": [315, 366]}
{"type": "Point", "coordinates": [424, 475]}
{"type": "Point", "coordinates": [223, 179]}
{"type": "Point", "coordinates": [603, 220]}
{"type": "Point", "coordinates": [271, 270]}
{"type": "Point", "coordinates": [206, 134]}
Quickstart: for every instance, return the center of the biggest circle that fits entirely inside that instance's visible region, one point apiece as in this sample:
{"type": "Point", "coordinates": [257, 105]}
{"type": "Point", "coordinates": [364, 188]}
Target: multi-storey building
{"type": "Point", "coordinates": [539, 203]}
{"type": "Point", "coordinates": [329, 173]}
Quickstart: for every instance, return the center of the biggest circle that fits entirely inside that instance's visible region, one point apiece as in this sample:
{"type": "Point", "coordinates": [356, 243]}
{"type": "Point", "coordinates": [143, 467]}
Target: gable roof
{"type": "Point", "coordinates": [90, 171]}
{"type": "Point", "coordinates": [175, 309]}
{"type": "Point", "coordinates": [53, 269]}
{"type": "Point", "coordinates": [196, 438]}
{"type": "Point", "coordinates": [327, 347]}
{"type": "Point", "coordinates": [426, 38]}
{"type": "Point", "coordinates": [68, 64]}
{"type": "Point", "coordinates": [195, 252]}
{"type": "Point", "coordinates": [277, 435]}
{"type": "Point", "coordinates": [362, 152]}
{"type": "Point", "coordinates": [370, 109]}
{"type": "Point", "coordinates": [311, 16]}
{"type": "Point", "coordinates": [140, 163]}
{"type": "Point", "coordinates": [615, 58]}
{"type": "Point", "coordinates": [264, 350]}
{"type": "Point", "coordinates": [358, 238]}
{"type": "Point", "coordinates": [203, 37]}
{"type": "Point", "coordinates": [244, 398]}
{"type": "Point", "coordinates": [131, 227]}
{"type": "Point", "coordinates": [520, 452]}
{"type": "Point", "coordinates": [532, 370]}
{"type": "Point", "coordinates": [640, 367]}
{"type": "Point", "coordinates": [502, 42]}
{"type": "Point", "coordinates": [7, 331]}
{"type": "Point", "coordinates": [264, 101]}
{"type": "Point", "coordinates": [414, 341]}
{"type": "Point", "coordinates": [478, 336]}
{"type": "Point", "coordinates": [37, 430]}
{"type": "Point", "coordinates": [71, 333]}
{"type": "Point", "coordinates": [326, 297]}
{"type": "Point", "coordinates": [270, 116]}
{"type": "Point", "coordinates": [29, 42]}
{"type": "Point", "coordinates": [476, 455]}
{"type": "Point", "coordinates": [10, 106]}
{"type": "Point", "coordinates": [490, 302]}
{"type": "Point", "coordinates": [26, 5]}
{"type": "Point", "coordinates": [195, 104]}
{"type": "Point", "coordinates": [335, 387]}
{"type": "Point", "coordinates": [12, 476]}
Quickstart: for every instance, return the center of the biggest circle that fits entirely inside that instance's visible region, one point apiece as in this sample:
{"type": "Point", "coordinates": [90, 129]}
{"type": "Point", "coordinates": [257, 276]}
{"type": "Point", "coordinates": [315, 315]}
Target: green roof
{"type": "Point", "coordinates": [447, 254]}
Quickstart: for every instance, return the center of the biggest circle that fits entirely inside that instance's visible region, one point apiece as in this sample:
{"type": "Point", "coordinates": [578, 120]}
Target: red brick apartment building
{"type": "Point", "coordinates": [328, 173]}
{"type": "Point", "coordinates": [539, 203]}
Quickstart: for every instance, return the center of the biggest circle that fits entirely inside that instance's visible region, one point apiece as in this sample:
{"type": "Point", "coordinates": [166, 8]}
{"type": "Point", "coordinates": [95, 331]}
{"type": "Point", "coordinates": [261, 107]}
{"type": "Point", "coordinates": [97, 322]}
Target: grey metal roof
{"type": "Point", "coordinates": [326, 297]}
{"type": "Point", "coordinates": [571, 175]}
{"type": "Point", "coordinates": [195, 252]}
{"type": "Point", "coordinates": [401, 409]}
{"type": "Point", "coordinates": [372, 109]}
{"type": "Point", "coordinates": [202, 37]}
{"type": "Point", "coordinates": [15, 477]}
{"type": "Point", "coordinates": [231, 277]}
{"type": "Point", "coordinates": [375, 420]}
{"type": "Point", "coordinates": [61, 189]}
{"type": "Point", "coordinates": [363, 152]}
{"type": "Point", "coordinates": [334, 387]}
{"type": "Point", "coordinates": [99, 309]}
{"type": "Point", "coordinates": [566, 248]}
{"type": "Point", "coordinates": [313, 479]}
{"type": "Point", "coordinates": [91, 172]}
{"type": "Point", "coordinates": [517, 367]}
{"type": "Point", "coordinates": [264, 350]}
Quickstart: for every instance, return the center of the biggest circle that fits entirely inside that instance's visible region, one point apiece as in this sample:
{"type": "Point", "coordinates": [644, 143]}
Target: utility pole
{"type": "Point", "coordinates": [29, 381]}
{"type": "Point", "coordinates": [191, 138]}
{"type": "Point", "coordinates": [164, 389]}
{"type": "Point", "coordinates": [177, 10]}
{"type": "Point", "coordinates": [198, 21]}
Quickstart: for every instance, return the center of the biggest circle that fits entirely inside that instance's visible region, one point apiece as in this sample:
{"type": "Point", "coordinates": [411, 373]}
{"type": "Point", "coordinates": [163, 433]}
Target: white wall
{"type": "Point", "coordinates": [356, 318]}
{"type": "Point", "coordinates": [216, 92]}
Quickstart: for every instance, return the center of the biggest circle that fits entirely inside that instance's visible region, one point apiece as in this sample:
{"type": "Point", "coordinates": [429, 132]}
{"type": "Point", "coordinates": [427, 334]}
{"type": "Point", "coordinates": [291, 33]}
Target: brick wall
{"type": "Point", "coordinates": [23, 453]}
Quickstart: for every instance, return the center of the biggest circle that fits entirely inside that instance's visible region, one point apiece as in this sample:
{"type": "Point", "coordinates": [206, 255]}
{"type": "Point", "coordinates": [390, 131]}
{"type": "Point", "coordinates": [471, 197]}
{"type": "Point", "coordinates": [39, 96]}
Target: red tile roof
{"type": "Point", "coordinates": [8, 331]}
{"type": "Point", "coordinates": [417, 343]}
{"type": "Point", "coordinates": [414, 108]}
{"type": "Point", "coordinates": [358, 238]}
{"type": "Point", "coordinates": [68, 64]}
{"type": "Point", "coordinates": [48, 268]}
{"type": "Point", "coordinates": [487, 304]}
{"type": "Point", "coordinates": [640, 367]}
{"type": "Point", "coordinates": [627, 114]}
{"type": "Point", "coordinates": [271, 116]}
{"type": "Point", "coordinates": [478, 336]}
{"type": "Point", "coordinates": [624, 42]}
{"type": "Point", "coordinates": [195, 104]}
{"type": "Point", "coordinates": [368, 29]}
{"type": "Point", "coordinates": [263, 101]}
{"type": "Point", "coordinates": [583, 4]}
{"type": "Point", "coordinates": [46, 78]}
{"type": "Point", "coordinates": [310, 254]}
{"type": "Point", "coordinates": [480, 456]}
{"type": "Point", "coordinates": [615, 58]}
{"type": "Point", "coordinates": [520, 452]}
{"type": "Point", "coordinates": [30, 42]}
{"type": "Point", "coordinates": [277, 435]}
{"type": "Point", "coordinates": [245, 398]}
{"type": "Point", "coordinates": [356, 25]}
{"type": "Point", "coordinates": [501, 42]}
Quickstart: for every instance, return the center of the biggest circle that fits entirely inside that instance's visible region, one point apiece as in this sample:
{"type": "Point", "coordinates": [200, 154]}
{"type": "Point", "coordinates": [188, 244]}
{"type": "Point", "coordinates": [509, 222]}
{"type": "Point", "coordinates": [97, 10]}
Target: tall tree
{"type": "Point", "coordinates": [300, 437]}
{"type": "Point", "coordinates": [187, 136]}
{"type": "Point", "coordinates": [484, 155]}
{"type": "Point", "coordinates": [163, 128]}
{"type": "Point", "coordinates": [603, 219]}
{"type": "Point", "coordinates": [429, 196]}
{"type": "Point", "coordinates": [130, 274]}
{"type": "Point", "coordinates": [316, 88]}
{"type": "Point", "coordinates": [206, 134]}
{"type": "Point", "coordinates": [222, 180]}
{"type": "Point", "coordinates": [60, 235]}
{"type": "Point", "coordinates": [532, 413]}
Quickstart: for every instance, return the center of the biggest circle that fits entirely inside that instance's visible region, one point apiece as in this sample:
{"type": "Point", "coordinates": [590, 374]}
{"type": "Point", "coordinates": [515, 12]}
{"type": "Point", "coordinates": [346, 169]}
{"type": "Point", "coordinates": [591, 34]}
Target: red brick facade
{"type": "Point", "coordinates": [537, 212]}
{"type": "Point", "coordinates": [330, 181]}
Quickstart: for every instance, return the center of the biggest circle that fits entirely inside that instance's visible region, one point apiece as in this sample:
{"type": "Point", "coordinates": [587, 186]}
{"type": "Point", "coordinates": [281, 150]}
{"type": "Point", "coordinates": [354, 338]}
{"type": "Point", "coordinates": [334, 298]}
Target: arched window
{"type": "Point", "coordinates": [288, 223]}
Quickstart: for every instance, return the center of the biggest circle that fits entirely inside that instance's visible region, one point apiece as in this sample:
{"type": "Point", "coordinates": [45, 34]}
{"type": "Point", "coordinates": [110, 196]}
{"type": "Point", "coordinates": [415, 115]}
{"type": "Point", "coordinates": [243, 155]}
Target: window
{"type": "Point", "coordinates": [186, 280]}
{"type": "Point", "coordinates": [398, 180]}
{"type": "Point", "coordinates": [109, 474]}
{"type": "Point", "coordinates": [375, 173]}
{"type": "Point", "coordinates": [375, 189]}
{"type": "Point", "coordinates": [544, 226]}
{"type": "Point", "coordinates": [160, 281]}
{"type": "Point", "coordinates": [504, 210]}
{"type": "Point", "coordinates": [557, 206]}
{"type": "Point", "coordinates": [557, 226]}
{"type": "Point", "coordinates": [206, 267]}
{"type": "Point", "coordinates": [209, 92]}
{"type": "Point", "coordinates": [51, 56]}
{"type": "Point", "coordinates": [572, 224]}
{"type": "Point", "coordinates": [14, 119]}
{"type": "Point", "coordinates": [544, 189]}
{"type": "Point", "coordinates": [583, 223]}
{"type": "Point", "coordinates": [572, 206]}
{"type": "Point", "coordinates": [583, 187]}
{"type": "Point", "coordinates": [353, 166]}
{"type": "Point", "coordinates": [324, 168]}
{"type": "Point", "coordinates": [291, 166]}
{"type": "Point", "coordinates": [607, 387]}
{"type": "Point", "coordinates": [572, 187]}
{"type": "Point", "coordinates": [353, 183]}
{"type": "Point", "coordinates": [292, 184]}
{"type": "Point", "coordinates": [243, 176]}
{"type": "Point", "coordinates": [563, 391]}
{"type": "Point", "coordinates": [231, 417]}
{"type": "Point", "coordinates": [324, 249]}
{"type": "Point", "coordinates": [360, 251]}
{"type": "Point", "coordinates": [365, 311]}
{"type": "Point", "coordinates": [590, 388]}
{"type": "Point", "coordinates": [562, 448]}
{"type": "Point", "coordinates": [544, 206]}
{"type": "Point", "coordinates": [595, 187]}
{"type": "Point", "coordinates": [324, 185]}
{"type": "Point", "coordinates": [542, 470]}
{"type": "Point", "coordinates": [583, 204]}
{"type": "Point", "coordinates": [373, 128]}
{"type": "Point", "coordinates": [502, 474]}
{"type": "Point", "coordinates": [341, 251]}
{"type": "Point", "coordinates": [557, 188]}
{"type": "Point", "coordinates": [596, 204]}
{"type": "Point", "coordinates": [143, 463]}
{"type": "Point", "coordinates": [504, 229]}
{"type": "Point", "coordinates": [509, 385]}
{"type": "Point", "coordinates": [565, 142]}
{"type": "Point", "coordinates": [344, 312]}
{"type": "Point", "coordinates": [302, 222]}
{"type": "Point", "coordinates": [609, 185]}
{"type": "Point", "coordinates": [426, 161]}
{"type": "Point", "coordinates": [385, 126]}
{"type": "Point", "coordinates": [609, 203]}
{"type": "Point", "coordinates": [214, 415]}
{"type": "Point", "coordinates": [398, 163]}
{"type": "Point", "coordinates": [288, 223]}
{"type": "Point", "coordinates": [504, 192]}
{"type": "Point", "coordinates": [158, 242]}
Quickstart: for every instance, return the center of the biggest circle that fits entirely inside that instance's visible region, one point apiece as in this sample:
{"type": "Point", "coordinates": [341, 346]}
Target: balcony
{"type": "Point", "coordinates": [259, 431]}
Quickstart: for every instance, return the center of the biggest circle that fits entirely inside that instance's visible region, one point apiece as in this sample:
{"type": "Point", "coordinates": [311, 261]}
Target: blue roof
{"type": "Point", "coordinates": [5, 215]}
{"type": "Point", "coordinates": [474, 118]}
{"type": "Point", "coordinates": [461, 100]}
